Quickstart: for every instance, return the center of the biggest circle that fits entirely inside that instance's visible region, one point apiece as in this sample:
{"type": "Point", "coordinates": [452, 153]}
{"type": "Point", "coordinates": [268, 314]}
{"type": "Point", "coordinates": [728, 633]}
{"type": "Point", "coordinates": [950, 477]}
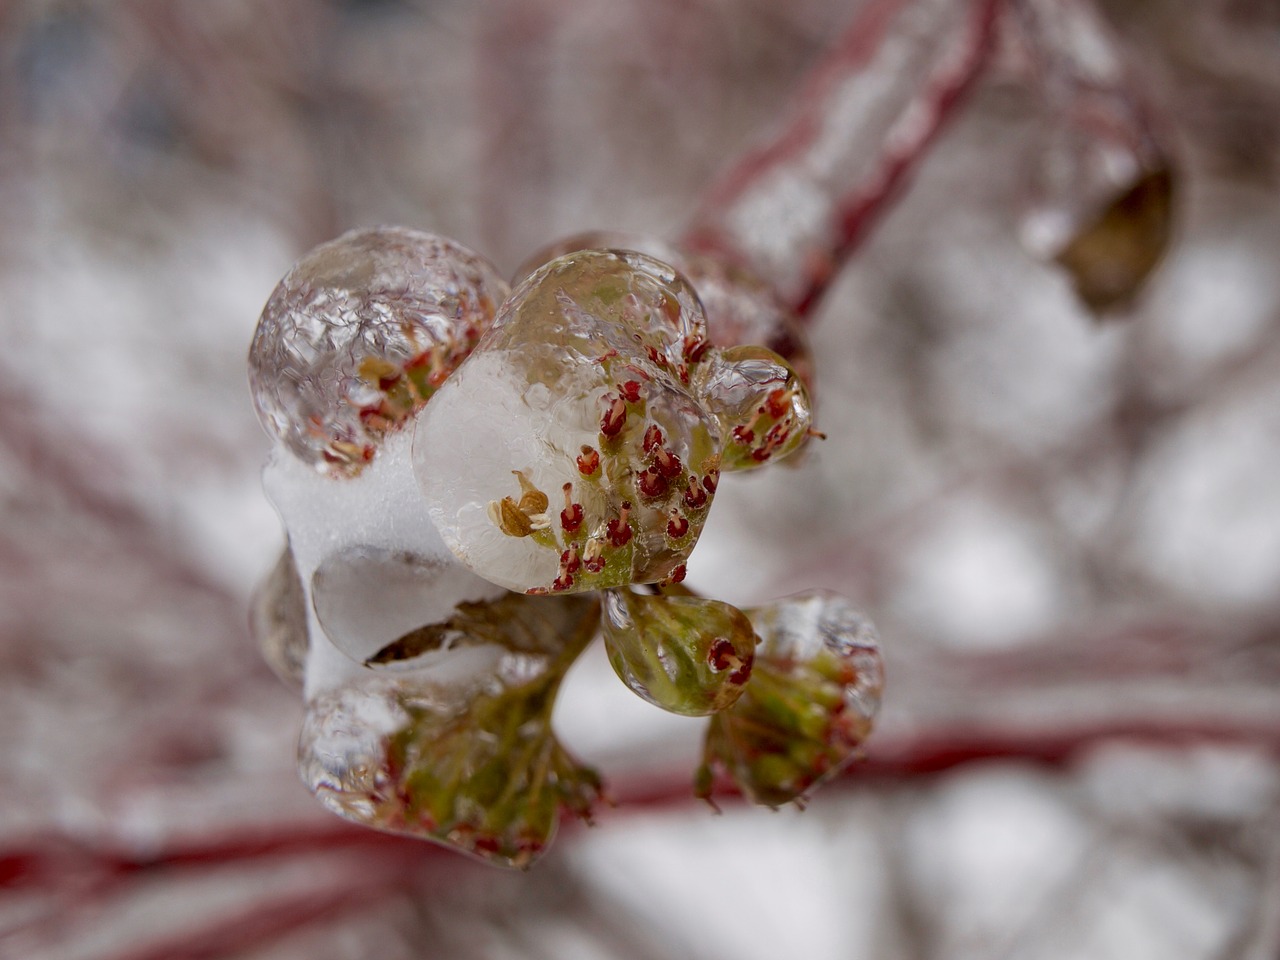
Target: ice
{"type": "Point", "coordinates": [376, 522]}
{"type": "Point", "coordinates": [570, 452]}
{"type": "Point", "coordinates": [684, 654]}
{"type": "Point", "coordinates": [360, 333]}
{"type": "Point", "coordinates": [814, 692]}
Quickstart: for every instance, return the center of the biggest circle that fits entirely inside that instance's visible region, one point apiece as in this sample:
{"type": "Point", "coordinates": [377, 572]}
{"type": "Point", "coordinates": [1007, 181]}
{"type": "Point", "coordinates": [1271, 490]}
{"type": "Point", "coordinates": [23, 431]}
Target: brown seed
{"type": "Point", "coordinates": [509, 518]}
{"type": "Point", "coordinates": [534, 501]}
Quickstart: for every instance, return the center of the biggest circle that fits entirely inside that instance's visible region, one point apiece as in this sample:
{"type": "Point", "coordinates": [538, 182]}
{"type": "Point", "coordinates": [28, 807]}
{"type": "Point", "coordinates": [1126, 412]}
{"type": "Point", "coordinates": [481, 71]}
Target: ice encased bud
{"type": "Point", "coordinates": [359, 334]}
{"type": "Point", "coordinates": [813, 696]}
{"type": "Point", "coordinates": [571, 451]}
{"type": "Point", "coordinates": [687, 655]}
{"type": "Point", "coordinates": [462, 754]}
{"type": "Point", "coordinates": [761, 402]}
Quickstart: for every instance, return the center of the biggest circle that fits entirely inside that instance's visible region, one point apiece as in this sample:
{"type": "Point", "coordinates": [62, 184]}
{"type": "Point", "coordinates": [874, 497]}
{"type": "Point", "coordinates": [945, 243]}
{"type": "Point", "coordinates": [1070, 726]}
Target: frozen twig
{"type": "Point", "coordinates": [796, 207]}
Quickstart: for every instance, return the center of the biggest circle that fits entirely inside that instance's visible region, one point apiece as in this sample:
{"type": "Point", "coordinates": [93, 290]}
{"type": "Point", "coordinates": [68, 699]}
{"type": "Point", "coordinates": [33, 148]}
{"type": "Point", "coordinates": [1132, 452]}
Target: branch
{"type": "Point", "coordinates": [794, 209]}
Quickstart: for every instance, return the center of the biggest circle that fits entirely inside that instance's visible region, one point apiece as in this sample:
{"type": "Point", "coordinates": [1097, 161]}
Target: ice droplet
{"type": "Point", "coordinates": [360, 333]}
{"type": "Point", "coordinates": [684, 654]}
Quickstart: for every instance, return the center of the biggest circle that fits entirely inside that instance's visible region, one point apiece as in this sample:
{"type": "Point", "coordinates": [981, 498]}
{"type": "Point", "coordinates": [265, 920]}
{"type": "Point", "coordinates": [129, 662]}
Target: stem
{"type": "Point", "coordinates": [795, 208]}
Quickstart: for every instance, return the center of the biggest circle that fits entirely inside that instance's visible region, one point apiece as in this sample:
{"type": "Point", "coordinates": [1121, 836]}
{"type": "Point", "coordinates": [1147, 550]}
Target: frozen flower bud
{"type": "Point", "coordinates": [762, 405]}
{"type": "Point", "coordinates": [359, 333]}
{"type": "Point", "coordinates": [684, 654]}
{"type": "Point", "coordinates": [469, 760]}
{"type": "Point", "coordinates": [740, 308]}
{"type": "Point", "coordinates": [814, 692]}
{"type": "Point", "coordinates": [552, 460]}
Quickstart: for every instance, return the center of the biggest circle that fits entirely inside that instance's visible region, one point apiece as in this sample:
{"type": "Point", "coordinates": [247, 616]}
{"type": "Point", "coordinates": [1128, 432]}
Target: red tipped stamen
{"type": "Point", "coordinates": [677, 526]}
{"type": "Point", "coordinates": [722, 655]}
{"type": "Point", "coordinates": [652, 438]}
{"type": "Point", "coordinates": [668, 464]}
{"type": "Point", "coordinates": [570, 562]}
{"type": "Point", "coordinates": [588, 461]}
{"type": "Point", "coordinates": [694, 496]}
{"type": "Point", "coordinates": [651, 483]}
{"type": "Point", "coordinates": [571, 518]}
{"type": "Point", "coordinates": [619, 530]}
{"type": "Point", "coordinates": [571, 515]}
{"type": "Point", "coordinates": [612, 422]}
{"type": "Point", "coordinates": [695, 348]}
{"type": "Point", "coordinates": [779, 402]}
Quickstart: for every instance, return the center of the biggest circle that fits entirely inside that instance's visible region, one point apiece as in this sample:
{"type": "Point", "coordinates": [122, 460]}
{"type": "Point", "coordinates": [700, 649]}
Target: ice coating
{"type": "Point", "coordinates": [466, 760]}
{"type": "Point", "coordinates": [814, 693]}
{"type": "Point", "coordinates": [739, 307]}
{"type": "Point", "coordinates": [359, 333]}
{"type": "Point", "coordinates": [762, 405]}
{"type": "Point", "coordinates": [571, 452]}
{"type": "Point", "coordinates": [374, 531]}
{"type": "Point", "coordinates": [685, 654]}
{"type": "Point", "coordinates": [278, 620]}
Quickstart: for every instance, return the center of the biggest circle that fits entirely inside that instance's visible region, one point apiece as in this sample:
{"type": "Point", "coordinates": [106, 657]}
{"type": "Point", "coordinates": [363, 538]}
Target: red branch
{"type": "Point", "coordinates": [816, 151]}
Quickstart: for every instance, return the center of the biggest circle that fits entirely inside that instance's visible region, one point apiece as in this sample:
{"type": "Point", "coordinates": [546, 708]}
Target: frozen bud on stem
{"type": "Point", "coordinates": [590, 354]}
{"type": "Point", "coordinates": [1103, 186]}
{"type": "Point", "coordinates": [467, 760]}
{"type": "Point", "coordinates": [814, 692]}
{"type": "Point", "coordinates": [684, 654]}
{"type": "Point", "coordinates": [360, 333]}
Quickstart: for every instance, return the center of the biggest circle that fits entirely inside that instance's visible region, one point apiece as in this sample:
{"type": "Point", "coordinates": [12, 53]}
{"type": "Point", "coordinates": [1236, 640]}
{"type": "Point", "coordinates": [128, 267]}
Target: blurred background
{"type": "Point", "coordinates": [1068, 531]}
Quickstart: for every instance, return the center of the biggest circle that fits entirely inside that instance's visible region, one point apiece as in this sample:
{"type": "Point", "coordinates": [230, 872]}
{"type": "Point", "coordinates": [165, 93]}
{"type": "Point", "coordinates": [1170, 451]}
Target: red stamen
{"type": "Point", "coordinates": [588, 461]}
{"type": "Point", "coordinates": [612, 422]}
{"type": "Point", "coordinates": [779, 402]}
{"type": "Point", "coordinates": [694, 496]}
{"type": "Point", "coordinates": [571, 518]}
{"type": "Point", "coordinates": [652, 438]}
{"type": "Point", "coordinates": [651, 483]}
{"type": "Point", "coordinates": [619, 530]}
{"type": "Point", "coordinates": [677, 526]}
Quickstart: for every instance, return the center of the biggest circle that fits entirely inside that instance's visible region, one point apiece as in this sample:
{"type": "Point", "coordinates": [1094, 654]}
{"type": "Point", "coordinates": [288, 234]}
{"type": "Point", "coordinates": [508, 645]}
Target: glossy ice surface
{"type": "Point", "coordinates": [360, 333]}
{"type": "Point", "coordinates": [581, 444]}
{"type": "Point", "coordinates": [688, 655]}
{"type": "Point", "coordinates": [814, 692]}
